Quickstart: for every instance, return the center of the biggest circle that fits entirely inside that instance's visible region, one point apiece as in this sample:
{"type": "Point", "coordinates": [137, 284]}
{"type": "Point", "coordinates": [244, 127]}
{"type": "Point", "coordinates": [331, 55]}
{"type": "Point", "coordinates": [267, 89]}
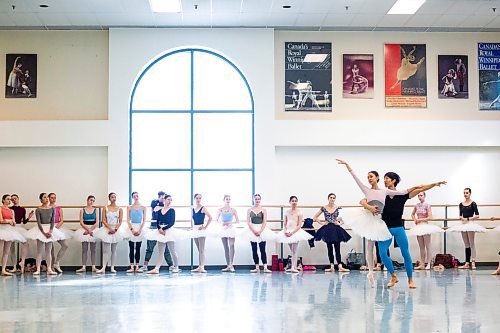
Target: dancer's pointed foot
{"type": "Point", "coordinates": [57, 268]}
{"type": "Point", "coordinates": [81, 270]}
{"type": "Point", "coordinates": [394, 280]}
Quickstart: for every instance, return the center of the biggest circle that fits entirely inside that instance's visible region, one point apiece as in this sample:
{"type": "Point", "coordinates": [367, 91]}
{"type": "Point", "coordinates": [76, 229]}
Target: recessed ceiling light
{"type": "Point", "coordinates": [44, 6]}
{"type": "Point", "coordinates": [287, 6]}
{"type": "Point", "coordinates": [406, 7]}
{"type": "Point", "coordinates": [166, 6]}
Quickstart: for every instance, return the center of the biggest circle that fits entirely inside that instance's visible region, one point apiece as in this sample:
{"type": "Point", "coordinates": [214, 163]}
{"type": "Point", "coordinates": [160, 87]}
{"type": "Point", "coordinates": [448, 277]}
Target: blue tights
{"type": "Point", "coordinates": [399, 234]}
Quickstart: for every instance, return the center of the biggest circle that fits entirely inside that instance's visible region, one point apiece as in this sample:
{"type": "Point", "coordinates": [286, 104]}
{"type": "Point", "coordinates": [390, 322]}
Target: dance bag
{"type": "Point", "coordinates": [355, 260]}
{"type": "Point", "coordinates": [444, 259]}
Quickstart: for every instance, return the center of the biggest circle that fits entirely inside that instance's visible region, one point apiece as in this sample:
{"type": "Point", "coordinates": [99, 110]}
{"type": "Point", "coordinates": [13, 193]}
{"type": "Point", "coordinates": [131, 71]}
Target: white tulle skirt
{"type": "Point", "coordinates": [300, 235]}
{"type": "Point", "coordinates": [266, 235]}
{"type": "Point", "coordinates": [21, 230]}
{"type": "Point", "coordinates": [469, 226]}
{"type": "Point", "coordinates": [11, 234]}
{"type": "Point", "coordinates": [171, 235]}
{"type": "Point", "coordinates": [103, 234]}
{"type": "Point", "coordinates": [423, 228]}
{"type": "Point", "coordinates": [35, 233]}
{"type": "Point", "coordinates": [68, 234]}
{"type": "Point", "coordinates": [132, 238]}
{"type": "Point", "coordinates": [364, 224]}
{"type": "Point", "coordinates": [223, 231]}
{"type": "Point", "coordinates": [80, 237]}
{"type": "Point", "coordinates": [196, 233]}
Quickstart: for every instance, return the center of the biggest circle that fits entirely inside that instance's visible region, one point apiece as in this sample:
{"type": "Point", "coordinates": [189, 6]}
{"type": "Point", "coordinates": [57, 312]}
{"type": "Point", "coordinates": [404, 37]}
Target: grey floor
{"type": "Point", "coordinates": [450, 301]}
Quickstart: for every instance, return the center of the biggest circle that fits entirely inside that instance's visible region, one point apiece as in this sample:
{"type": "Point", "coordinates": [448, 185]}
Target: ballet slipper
{"type": "Point", "coordinates": [225, 269]}
{"type": "Point", "coordinates": [294, 271]}
{"type": "Point", "coordinates": [94, 269]}
{"type": "Point", "coordinates": [473, 265]}
{"type": "Point", "coordinates": [57, 268]}
{"type": "Point", "coordinates": [464, 266]}
{"type": "Point", "coordinates": [231, 269]}
{"type": "Point", "coordinates": [255, 270]}
{"type": "Point", "coordinates": [51, 272]}
{"type": "Point", "coordinates": [342, 269]}
{"type": "Point", "coordinates": [154, 271]}
{"type": "Point", "coordinates": [101, 271]}
{"type": "Point", "coordinates": [497, 272]}
{"type": "Point", "coordinates": [138, 269]}
{"type": "Point", "coordinates": [131, 269]}
{"type": "Point", "coordinates": [82, 270]}
{"type": "Point", "coordinates": [196, 270]}
{"type": "Point", "coordinates": [267, 270]}
{"type": "Point", "coordinates": [371, 279]}
{"type": "Point", "coordinates": [6, 273]}
{"type": "Point", "coordinates": [35, 273]}
{"type": "Point", "coordinates": [411, 284]}
{"type": "Point", "coordinates": [394, 280]}
{"type": "Point", "coordinates": [113, 270]}
{"type": "Point", "coordinates": [175, 270]}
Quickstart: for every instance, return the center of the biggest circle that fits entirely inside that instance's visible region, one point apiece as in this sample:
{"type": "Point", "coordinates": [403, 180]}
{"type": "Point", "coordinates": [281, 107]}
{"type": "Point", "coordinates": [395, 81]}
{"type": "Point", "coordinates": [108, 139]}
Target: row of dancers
{"type": "Point", "coordinates": [366, 223]}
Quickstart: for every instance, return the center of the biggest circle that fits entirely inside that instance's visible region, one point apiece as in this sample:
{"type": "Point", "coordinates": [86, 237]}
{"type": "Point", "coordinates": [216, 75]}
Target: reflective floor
{"type": "Point", "coordinates": [450, 301]}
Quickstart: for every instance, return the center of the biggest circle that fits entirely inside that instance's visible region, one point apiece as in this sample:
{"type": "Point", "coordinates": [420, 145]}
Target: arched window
{"type": "Point", "coordinates": [191, 129]}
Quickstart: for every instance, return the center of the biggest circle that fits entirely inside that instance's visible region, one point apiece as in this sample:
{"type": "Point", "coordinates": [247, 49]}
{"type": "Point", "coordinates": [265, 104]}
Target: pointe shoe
{"type": "Point", "coordinates": [196, 270]}
{"type": "Point", "coordinates": [94, 269]}
{"type": "Point", "coordinates": [131, 270]}
{"type": "Point", "coordinates": [497, 272]}
{"type": "Point", "coordinates": [255, 270]}
{"type": "Point", "coordinates": [203, 271]}
{"type": "Point", "coordinates": [13, 270]}
{"type": "Point", "coordinates": [175, 270]}
{"type": "Point", "coordinates": [6, 273]}
{"type": "Point", "coordinates": [473, 265]}
{"type": "Point", "coordinates": [57, 268]}
{"type": "Point", "coordinates": [231, 269]}
{"type": "Point", "coordinates": [138, 269]}
{"type": "Point", "coordinates": [394, 280]}
{"type": "Point", "coordinates": [294, 271]}
{"type": "Point", "coordinates": [342, 269]}
{"type": "Point", "coordinates": [411, 284]}
{"type": "Point", "coordinates": [267, 270]}
{"type": "Point", "coordinates": [113, 270]}
{"type": "Point", "coordinates": [330, 269]}
{"type": "Point", "coordinates": [36, 273]}
{"type": "Point", "coordinates": [225, 269]}
{"type": "Point", "coordinates": [371, 280]}
{"type": "Point", "coordinates": [154, 271]}
{"type": "Point", "coordinates": [51, 272]}
{"type": "Point", "coordinates": [82, 270]}
{"type": "Point", "coordinates": [101, 271]}
{"type": "Point", "coordinates": [464, 266]}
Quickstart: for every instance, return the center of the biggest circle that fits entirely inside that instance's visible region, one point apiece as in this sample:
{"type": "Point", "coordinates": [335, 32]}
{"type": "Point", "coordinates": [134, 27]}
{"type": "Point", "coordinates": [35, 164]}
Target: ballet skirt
{"type": "Point", "coordinates": [469, 226]}
{"type": "Point", "coordinates": [223, 230]}
{"type": "Point", "coordinates": [103, 232]}
{"type": "Point", "coordinates": [80, 237]}
{"type": "Point", "coordinates": [35, 233]}
{"type": "Point", "coordinates": [171, 235]}
{"type": "Point", "coordinates": [21, 230]}
{"type": "Point", "coordinates": [424, 228]}
{"type": "Point", "coordinates": [14, 80]}
{"type": "Point", "coordinates": [331, 232]}
{"type": "Point", "coordinates": [300, 235]}
{"type": "Point", "coordinates": [11, 234]}
{"type": "Point", "coordinates": [132, 238]}
{"type": "Point", "coordinates": [364, 224]}
{"type": "Point", "coordinates": [266, 235]}
{"type": "Point", "coordinates": [68, 234]}
{"type": "Point", "coordinates": [196, 233]}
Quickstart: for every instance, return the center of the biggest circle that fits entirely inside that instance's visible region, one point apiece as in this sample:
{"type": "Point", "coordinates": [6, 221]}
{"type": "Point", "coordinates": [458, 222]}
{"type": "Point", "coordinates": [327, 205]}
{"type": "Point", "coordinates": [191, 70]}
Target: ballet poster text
{"type": "Point", "coordinates": [405, 76]}
{"type": "Point", "coordinates": [489, 76]}
{"type": "Point", "coordinates": [308, 76]}
{"type": "Point", "coordinates": [21, 75]}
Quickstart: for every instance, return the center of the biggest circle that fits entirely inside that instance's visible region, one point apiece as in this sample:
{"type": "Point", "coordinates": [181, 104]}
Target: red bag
{"type": "Point", "coordinates": [444, 259]}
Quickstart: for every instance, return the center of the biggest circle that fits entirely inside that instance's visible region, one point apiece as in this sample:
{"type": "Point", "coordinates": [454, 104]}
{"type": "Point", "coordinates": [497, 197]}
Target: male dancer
{"type": "Point", "coordinates": [156, 205]}
{"type": "Point", "coordinates": [393, 218]}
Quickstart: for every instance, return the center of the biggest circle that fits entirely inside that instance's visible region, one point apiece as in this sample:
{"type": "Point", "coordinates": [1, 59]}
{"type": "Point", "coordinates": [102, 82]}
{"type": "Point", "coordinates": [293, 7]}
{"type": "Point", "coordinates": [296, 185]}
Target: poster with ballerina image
{"type": "Point", "coordinates": [20, 76]}
{"type": "Point", "coordinates": [358, 76]}
{"type": "Point", "coordinates": [453, 81]}
{"type": "Point", "coordinates": [405, 76]}
{"type": "Point", "coordinates": [308, 76]}
{"type": "Point", "coordinates": [489, 76]}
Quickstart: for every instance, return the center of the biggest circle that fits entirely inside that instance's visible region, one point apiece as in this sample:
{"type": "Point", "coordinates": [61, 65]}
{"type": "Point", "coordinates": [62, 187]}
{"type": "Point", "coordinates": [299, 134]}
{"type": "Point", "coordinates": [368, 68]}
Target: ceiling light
{"type": "Point", "coordinates": [44, 6]}
{"type": "Point", "coordinates": [406, 7]}
{"type": "Point", "coordinates": [287, 6]}
{"type": "Point", "coordinates": [165, 6]}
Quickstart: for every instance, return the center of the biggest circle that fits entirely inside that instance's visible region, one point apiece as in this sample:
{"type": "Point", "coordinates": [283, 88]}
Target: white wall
{"type": "Point", "coordinates": [289, 151]}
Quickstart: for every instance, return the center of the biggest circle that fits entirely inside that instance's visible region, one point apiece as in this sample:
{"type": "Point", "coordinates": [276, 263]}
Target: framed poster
{"type": "Point", "coordinates": [405, 76]}
{"type": "Point", "coordinates": [453, 81]}
{"type": "Point", "coordinates": [308, 76]}
{"type": "Point", "coordinates": [358, 76]}
{"type": "Point", "coordinates": [20, 76]}
{"type": "Point", "coordinates": [489, 76]}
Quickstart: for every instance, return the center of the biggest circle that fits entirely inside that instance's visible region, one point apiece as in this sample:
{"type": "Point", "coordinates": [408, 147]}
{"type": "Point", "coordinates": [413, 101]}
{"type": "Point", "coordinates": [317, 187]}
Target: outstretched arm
{"type": "Point", "coordinates": [362, 186]}
{"type": "Point", "coordinates": [421, 188]}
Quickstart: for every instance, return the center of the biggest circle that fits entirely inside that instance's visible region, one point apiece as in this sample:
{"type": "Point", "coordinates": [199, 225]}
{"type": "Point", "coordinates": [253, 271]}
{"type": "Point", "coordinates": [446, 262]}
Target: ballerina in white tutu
{"type": "Point", "coordinates": [68, 234]}
{"type": "Point", "coordinates": [227, 232]}
{"type": "Point", "coordinates": [136, 220]}
{"type": "Point", "coordinates": [292, 232]}
{"type": "Point", "coordinates": [20, 219]}
{"type": "Point", "coordinates": [45, 234]}
{"type": "Point", "coordinates": [366, 223]}
{"type": "Point", "coordinates": [8, 232]}
{"type": "Point", "coordinates": [258, 233]}
{"type": "Point", "coordinates": [86, 233]}
{"type": "Point", "coordinates": [199, 230]}
{"type": "Point", "coordinates": [421, 215]}
{"type": "Point", "coordinates": [166, 235]}
{"type": "Point", "coordinates": [468, 212]}
{"type": "Point", "coordinates": [111, 233]}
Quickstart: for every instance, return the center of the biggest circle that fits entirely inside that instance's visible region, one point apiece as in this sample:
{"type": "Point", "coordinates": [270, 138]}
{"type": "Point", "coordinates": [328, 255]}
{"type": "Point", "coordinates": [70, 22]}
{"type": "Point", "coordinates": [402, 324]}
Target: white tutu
{"type": "Point", "coordinates": [35, 233]}
{"type": "Point", "coordinates": [21, 230]}
{"type": "Point", "coordinates": [300, 235]}
{"type": "Point", "coordinates": [80, 237]}
{"type": "Point", "coordinates": [470, 226]}
{"type": "Point", "coordinates": [222, 231]}
{"type": "Point", "coordinates": [103, 234]}
{"type": "Point", "coordinates": [265, 236]}
{"type": "Point", "coordinates": [364, 224]}
{"type": "Point", "coordinates": [130, 236]}
{"type": "Point", "coordinates": [171, 235]}
{"type": "Point", "coordinates": [68, 234]}
{"type": "Point", "coordinates": [196, 233]}
{"type": "Point", "coordinates": [11, 234]}
{"type": "Point", "coordinates": [423, 228]}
